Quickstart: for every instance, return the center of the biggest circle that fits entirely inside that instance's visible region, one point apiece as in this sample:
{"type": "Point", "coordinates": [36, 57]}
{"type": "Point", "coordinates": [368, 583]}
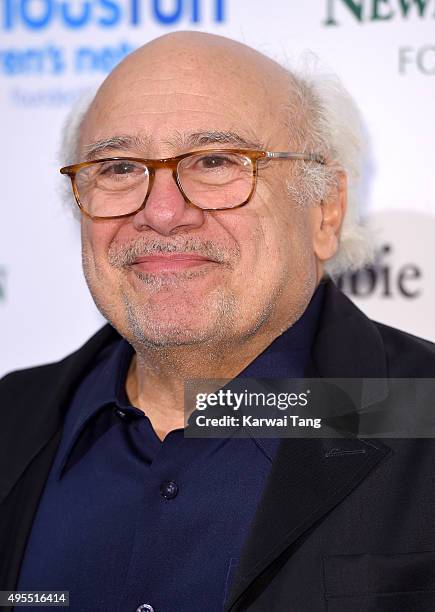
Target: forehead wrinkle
{"type": "Point", "coordinates": [233, 70]}
{"type": "Point", "coordinates": [173, 102]}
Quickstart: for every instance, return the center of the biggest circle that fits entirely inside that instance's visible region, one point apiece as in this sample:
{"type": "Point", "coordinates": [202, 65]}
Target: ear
{"type": "Point", "coordinates": [328, 218]}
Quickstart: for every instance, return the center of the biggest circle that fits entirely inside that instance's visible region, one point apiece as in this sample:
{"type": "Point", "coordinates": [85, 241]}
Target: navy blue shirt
{"type": "Point", "coordinates": [126, 519]}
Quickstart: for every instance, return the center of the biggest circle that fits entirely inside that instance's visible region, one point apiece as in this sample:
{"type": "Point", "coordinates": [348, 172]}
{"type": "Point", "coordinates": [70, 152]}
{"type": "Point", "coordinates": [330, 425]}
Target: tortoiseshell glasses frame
{"type": "Point", "coordinates": [248, 158]}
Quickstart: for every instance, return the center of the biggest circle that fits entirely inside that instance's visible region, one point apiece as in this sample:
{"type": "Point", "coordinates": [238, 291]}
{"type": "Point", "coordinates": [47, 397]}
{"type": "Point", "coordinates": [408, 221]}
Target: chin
{"type": "Point", "coordinates": [182, 322]}
{"type": "Point", "coordinates": [161, 334]}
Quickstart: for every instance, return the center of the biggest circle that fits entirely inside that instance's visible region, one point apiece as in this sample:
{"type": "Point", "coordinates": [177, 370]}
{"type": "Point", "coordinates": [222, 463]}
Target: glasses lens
{"type": "Point", "coordinates": [216, 180]}
{"type": "Point", "coordinates": [112, 188]}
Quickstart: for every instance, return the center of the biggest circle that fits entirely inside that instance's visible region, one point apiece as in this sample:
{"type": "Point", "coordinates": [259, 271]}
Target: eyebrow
{"type": "Point", "coordinates": [182, 141]}
{"type": "Point", "coordinates": [200, 139]}
{"type": "Point", "coordinates": [106, 145]}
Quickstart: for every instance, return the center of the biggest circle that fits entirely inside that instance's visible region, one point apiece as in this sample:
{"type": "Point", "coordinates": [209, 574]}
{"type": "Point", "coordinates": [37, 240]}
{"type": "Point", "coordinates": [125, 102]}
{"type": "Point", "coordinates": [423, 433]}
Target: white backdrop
{"type": "Point", "coordinates": [51, 50]}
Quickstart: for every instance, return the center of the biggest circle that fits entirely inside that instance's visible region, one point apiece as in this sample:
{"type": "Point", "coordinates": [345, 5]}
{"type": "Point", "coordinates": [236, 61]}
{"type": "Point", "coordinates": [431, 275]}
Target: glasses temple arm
{"type": "Point", "coordinates": [303, 156]}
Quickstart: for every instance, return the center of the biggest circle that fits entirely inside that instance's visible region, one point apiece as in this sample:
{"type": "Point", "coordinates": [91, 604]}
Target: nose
{"type": "Point", "coordinates": [166, 210]}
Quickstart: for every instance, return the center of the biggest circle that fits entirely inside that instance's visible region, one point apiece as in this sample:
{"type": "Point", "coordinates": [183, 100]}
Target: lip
{"type": "Point", "coordinates": [172, 262]}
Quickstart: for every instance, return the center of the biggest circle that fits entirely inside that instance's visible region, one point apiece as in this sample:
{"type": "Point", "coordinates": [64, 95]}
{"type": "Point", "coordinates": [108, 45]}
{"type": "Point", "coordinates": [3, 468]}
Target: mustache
{"type": "Point", "coordinates": [122, 255]}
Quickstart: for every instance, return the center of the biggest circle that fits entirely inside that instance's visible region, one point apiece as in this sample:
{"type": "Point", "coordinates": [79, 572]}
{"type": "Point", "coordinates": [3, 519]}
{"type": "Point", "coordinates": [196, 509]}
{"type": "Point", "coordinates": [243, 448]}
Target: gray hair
{"type": "Point", "coordinates": [324, 119]}
{"type": "Point", "coordinates": [69, 144]}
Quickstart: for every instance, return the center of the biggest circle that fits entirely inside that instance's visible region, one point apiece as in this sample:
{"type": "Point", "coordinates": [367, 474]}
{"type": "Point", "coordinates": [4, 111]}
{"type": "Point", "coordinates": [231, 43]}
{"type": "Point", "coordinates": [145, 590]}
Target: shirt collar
{"type": "Point", "coordinates": [104, 386]}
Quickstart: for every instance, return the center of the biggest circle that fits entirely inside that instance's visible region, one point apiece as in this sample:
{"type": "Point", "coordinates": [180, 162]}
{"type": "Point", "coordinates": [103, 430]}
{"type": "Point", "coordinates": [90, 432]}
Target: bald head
{"type": "Point", "coordinates": [190, 77]}
{"type": "Point", "coordinates": [190, 51]}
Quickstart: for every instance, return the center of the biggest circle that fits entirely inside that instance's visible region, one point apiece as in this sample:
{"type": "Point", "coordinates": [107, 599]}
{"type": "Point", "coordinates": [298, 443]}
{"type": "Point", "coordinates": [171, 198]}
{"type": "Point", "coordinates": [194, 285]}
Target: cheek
{"type": "Point", "coordinates": [96, 238]}
{"type": "Point", "coordinates": [284, 237]}
{"type": "Point", "coordinates": [245, 227]}
{"type": "Point", "coordinates": [98, 235]}
{"type": "Point", "coordinates": [261, 259]}
{"type": "Point", "coordinates": [275, 234]}
{"type": "Point", "coordinates": [288, 260]}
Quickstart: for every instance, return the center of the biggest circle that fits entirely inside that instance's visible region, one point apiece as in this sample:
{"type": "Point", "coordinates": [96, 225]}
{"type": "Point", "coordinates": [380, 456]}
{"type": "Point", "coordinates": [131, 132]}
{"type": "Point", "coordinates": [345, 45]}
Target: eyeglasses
{"type": "Point", "coordinates": [218, 179]}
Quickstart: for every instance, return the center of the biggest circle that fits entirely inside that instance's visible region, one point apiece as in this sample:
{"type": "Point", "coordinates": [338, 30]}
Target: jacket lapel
{"type": "Point", "coordinates": [309, 477]}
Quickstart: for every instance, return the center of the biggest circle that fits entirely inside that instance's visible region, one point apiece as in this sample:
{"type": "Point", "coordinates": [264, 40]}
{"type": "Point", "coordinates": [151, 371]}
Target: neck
{"type": "Point", "coordinates": [156, 377]}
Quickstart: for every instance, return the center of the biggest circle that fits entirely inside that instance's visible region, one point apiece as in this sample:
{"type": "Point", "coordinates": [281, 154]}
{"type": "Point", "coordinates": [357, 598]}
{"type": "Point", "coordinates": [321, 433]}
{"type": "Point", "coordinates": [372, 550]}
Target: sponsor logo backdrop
{"type": "Point", "coordinates": [53, 50]}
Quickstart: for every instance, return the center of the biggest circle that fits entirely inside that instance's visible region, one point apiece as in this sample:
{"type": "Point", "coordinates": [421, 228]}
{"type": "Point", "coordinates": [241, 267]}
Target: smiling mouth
{"type": "Point", "coordinates": [170, 263]}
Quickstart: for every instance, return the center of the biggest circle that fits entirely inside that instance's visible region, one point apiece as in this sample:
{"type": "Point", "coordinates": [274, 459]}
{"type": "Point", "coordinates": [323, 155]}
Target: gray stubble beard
{"type": "Point", "coordinates": [148, 332]}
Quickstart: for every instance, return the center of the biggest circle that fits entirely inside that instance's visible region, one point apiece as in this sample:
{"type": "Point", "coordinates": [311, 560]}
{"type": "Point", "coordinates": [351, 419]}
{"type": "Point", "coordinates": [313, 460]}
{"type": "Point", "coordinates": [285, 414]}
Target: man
{"type": "Point", "coordinates": [207, 255]}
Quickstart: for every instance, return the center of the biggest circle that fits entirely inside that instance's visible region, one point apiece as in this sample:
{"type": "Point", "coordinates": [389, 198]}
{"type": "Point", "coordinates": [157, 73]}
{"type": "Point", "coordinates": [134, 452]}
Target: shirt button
{"type": "Point", "coordinates": [120, 413]}
{"type": "Point", "coordinates": [169, 489]}
{"type": "Point", "coordinates": [145, 608]}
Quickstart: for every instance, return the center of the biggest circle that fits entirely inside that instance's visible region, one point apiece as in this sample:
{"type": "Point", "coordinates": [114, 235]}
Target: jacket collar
{"type": "Point", "coordinates": [347, 345]}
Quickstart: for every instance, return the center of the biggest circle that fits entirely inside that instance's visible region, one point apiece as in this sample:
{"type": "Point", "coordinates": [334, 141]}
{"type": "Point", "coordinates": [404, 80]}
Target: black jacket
{"type": "Point", "coordinates": [344, 525]}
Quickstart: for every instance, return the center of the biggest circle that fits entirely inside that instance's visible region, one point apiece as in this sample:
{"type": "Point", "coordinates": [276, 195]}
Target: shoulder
{"type": "Point", "coordinates": [29, 380]}
{"type": "Point", "coordinates": [407, 355]}
{"type": "Point", "coordinates": [44, 379]}
{"type": "Point", "coordinates": [350, 345]}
